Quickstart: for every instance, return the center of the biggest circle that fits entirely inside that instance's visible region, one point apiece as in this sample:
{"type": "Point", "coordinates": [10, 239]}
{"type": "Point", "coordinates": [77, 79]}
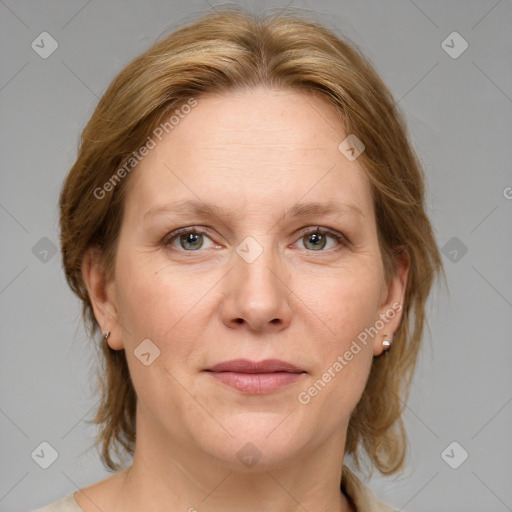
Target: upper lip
{"type": "Point", "coordinates": [247, 366]}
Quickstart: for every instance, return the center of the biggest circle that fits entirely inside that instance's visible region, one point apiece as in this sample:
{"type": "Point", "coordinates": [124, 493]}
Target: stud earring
{"type": "Point", "coordinates": [386, 343]}
{"type": "Point", "coordinates": [106, 335]}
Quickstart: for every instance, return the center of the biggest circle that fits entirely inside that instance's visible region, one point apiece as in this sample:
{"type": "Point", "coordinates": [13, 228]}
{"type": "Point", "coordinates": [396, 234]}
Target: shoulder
{"type": "Point", "coordinates": [65, 504]}
{"type": "Point", "coordinates": [99, 492]}
{"type": "Point", "coordinates": [361, 495]}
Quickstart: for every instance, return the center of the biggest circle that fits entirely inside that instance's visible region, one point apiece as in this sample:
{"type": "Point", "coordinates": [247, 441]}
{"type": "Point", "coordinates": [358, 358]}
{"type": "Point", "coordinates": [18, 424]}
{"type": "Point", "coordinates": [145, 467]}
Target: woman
{"type": "Point", "coordinates": [245, 224]}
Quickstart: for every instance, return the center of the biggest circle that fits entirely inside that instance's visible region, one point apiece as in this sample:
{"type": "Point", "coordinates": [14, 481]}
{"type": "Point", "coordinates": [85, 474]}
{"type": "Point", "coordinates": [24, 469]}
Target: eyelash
{"type": "Point", "coordinates": [340, 239]}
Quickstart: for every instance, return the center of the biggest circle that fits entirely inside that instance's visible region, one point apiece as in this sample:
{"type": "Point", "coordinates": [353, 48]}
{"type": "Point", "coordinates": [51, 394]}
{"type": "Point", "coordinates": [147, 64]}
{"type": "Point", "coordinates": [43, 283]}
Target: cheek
{"type": "Point", "coordinates": [157, 304]}
{"type": "Point", "coordinates": [172, 308]}
{"type": "Point", "coordinates": [152, 300]}
{"type": "Point", "coordinates": [346, 302]}
{"type": "Point", "coordinates": [347, 305]}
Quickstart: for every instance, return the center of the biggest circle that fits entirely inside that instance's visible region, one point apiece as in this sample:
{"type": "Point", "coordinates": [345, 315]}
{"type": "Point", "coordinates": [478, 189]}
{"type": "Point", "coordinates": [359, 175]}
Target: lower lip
{"type": "Point", "coordinates": [256, 383]}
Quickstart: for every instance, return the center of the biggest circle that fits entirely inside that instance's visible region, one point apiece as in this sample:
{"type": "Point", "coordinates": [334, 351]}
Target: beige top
{"type": "Point", "coordinates": [362, 497]}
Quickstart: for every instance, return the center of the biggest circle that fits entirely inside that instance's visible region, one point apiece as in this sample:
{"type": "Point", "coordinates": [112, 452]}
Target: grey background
{"type": "Point", "coordinates": [459, 115]}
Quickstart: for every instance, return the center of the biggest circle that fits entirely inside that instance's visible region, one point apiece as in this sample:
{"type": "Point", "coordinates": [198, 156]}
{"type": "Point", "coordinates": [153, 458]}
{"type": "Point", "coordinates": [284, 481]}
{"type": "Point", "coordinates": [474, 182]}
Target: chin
{"type": "Point", "coordinates": [258, 444]}
{"type": "Point", "coordinates": [256, 455]}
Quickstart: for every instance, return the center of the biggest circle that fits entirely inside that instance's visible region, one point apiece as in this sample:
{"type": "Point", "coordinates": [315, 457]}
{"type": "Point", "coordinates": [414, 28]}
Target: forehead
{"type": "Point", "coordinates": [251, 149]}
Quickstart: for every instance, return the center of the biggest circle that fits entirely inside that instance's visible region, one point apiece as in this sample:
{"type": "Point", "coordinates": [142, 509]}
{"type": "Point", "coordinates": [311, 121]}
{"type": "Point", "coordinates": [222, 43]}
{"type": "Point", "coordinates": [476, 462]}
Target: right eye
{"type": "Point", "coordinates": [187, 239]}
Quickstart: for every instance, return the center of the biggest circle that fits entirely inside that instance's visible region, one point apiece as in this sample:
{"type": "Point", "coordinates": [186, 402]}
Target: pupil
{"type": "Point", "coordinates": [316, 239]}
{"type": "Point", "coordinates": [192, 238]}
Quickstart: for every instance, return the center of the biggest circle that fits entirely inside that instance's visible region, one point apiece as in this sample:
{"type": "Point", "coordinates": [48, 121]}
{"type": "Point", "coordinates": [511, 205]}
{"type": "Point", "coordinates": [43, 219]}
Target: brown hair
{"type": "Point", "coordinates": [234, 49]}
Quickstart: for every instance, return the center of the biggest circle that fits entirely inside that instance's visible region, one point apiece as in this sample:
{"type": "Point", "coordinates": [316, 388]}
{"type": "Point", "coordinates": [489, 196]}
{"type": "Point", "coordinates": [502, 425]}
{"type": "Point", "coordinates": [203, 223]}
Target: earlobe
{"type": "Point", "coordinates": [102, 296]}
{"type": "Point", "coordinates": [386, 342]}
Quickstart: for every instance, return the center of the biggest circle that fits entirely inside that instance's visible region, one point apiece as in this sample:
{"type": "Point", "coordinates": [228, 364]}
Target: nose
{"type": "Point", "coordinates": [257, 294]}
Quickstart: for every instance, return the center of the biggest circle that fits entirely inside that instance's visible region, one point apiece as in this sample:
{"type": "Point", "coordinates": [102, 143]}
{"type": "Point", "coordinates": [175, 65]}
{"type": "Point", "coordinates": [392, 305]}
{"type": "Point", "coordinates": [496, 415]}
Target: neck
{"type": "Point", "coordinates": [177, 476]}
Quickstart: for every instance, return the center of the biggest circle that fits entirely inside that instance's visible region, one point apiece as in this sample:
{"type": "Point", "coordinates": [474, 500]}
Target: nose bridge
{"type": "Point", "coordinates": [258, 293]}
{"type": "Point", "coordinates": [264, 270]}
{"type": "Point", "coordinates": [258, 265]}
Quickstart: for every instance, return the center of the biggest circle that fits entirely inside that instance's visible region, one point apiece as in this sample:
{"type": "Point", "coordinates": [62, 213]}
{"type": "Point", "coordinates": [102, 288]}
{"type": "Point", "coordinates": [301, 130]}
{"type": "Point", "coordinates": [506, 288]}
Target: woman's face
{"type": "Point", "coordinates": [251, 175]}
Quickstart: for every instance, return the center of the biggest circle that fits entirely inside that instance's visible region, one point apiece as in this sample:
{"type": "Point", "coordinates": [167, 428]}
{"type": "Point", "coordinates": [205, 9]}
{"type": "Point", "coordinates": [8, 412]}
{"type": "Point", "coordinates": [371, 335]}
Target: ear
{"type": "Point", "coordinates": [102, 296]}
{"type": "Point", "coordinates": [392, 298]}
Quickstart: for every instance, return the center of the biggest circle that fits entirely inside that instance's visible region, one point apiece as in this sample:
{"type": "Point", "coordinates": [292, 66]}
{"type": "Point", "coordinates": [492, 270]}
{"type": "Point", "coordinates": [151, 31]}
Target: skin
{"type": "Point", "coordinates": [294, 302]}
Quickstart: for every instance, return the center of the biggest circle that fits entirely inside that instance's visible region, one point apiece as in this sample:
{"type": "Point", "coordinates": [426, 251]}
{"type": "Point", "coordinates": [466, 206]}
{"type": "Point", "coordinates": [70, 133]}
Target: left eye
{"type": "Point", "coordinates": [316, 240]}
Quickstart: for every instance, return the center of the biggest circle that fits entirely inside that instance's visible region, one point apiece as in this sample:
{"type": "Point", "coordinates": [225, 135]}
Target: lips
{"type": "Point", "coordinates": [256, 377]}
{"type": "Point", "coordinates": [246, 366]}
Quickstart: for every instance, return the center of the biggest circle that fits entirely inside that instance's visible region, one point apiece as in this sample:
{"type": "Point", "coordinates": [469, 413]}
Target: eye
{"type": "Point", "coordinates": [187, 239]}
{"type": "Point", "coordinates": [317, 239]}
{"type": "Point", "coordinates": [193, 238]}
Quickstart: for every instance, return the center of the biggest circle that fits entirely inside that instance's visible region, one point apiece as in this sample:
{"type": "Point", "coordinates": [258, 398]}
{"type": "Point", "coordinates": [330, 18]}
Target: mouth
{"type": "Point", "coordinates": [256, 377]}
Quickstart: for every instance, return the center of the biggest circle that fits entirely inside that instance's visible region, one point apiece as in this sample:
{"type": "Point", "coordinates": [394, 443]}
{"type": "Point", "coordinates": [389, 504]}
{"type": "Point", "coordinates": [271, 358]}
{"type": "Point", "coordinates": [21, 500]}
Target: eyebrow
{"type": "Point", "coordinates": [197, 207]}
{"type": "Point", "coordinates": [301, 210]}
